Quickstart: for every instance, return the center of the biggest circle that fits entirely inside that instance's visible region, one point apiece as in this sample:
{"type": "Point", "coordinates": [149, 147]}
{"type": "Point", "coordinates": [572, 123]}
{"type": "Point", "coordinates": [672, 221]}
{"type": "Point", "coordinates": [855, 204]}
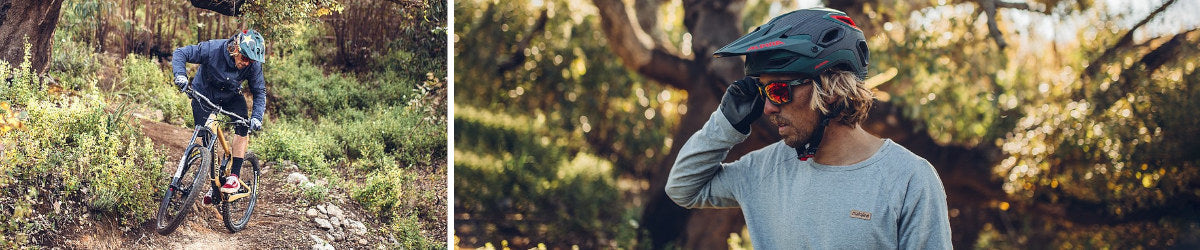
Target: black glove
{"type": "Point", "coordinates": [255, 124]}
{"type": "Point", "coordinates": [742, 104]}
{"type": "Point", "coordinates": [181, 82]}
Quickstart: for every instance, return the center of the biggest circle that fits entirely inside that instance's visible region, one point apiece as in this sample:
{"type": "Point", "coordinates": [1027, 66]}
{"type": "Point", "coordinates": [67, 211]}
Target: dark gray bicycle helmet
{"type": "Point", "coordinates": [805, 41]}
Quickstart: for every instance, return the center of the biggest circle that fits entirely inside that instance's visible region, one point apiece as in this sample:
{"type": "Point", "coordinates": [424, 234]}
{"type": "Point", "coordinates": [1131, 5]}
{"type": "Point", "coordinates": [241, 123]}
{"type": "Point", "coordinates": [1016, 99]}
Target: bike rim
{"type": "Point", "coordinates": [183, 188]}
{"type": "Point", "coordinates": [242, 208]}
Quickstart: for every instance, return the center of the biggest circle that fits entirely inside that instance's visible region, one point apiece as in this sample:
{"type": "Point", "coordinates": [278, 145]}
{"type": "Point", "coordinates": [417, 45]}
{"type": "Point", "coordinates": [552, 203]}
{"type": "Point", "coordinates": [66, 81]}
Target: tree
{"type": "Point", "coordinates": [30, 22]}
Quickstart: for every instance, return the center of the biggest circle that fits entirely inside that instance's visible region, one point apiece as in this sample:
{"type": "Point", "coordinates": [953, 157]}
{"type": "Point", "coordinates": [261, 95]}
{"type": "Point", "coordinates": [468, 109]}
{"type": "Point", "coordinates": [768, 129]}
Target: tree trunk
{"type": "Point", "coordinates": [29, 21]}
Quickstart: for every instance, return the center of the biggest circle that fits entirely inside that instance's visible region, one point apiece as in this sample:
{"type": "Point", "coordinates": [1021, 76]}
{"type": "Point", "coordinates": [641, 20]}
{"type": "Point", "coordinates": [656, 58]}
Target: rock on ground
{"type": "Point", "coordinates": [323, 223]}
{"type": "Point", "coordinates": [296, 178]}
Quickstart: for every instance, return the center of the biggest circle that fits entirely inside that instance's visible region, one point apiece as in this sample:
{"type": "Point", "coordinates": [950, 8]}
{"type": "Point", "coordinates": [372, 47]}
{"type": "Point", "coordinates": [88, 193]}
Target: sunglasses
{"type": "Point", "coordinates": [780, 92]}
{"type": "Point", "coordinates": [235, 55]}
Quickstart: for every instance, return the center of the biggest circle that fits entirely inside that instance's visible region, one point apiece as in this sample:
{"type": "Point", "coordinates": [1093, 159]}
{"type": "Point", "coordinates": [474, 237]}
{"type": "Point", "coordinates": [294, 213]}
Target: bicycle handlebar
{"type": "Point", "coordinates": [193, 94]}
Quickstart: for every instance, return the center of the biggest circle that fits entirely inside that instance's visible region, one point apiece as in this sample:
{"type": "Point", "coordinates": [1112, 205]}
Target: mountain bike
{"type": "Point", "coordinates": [196, 167]}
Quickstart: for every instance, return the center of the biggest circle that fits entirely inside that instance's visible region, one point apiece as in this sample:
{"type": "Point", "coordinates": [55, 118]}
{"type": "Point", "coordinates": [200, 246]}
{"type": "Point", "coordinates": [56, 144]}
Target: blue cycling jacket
{"type": "Point", "coordinates": [218, 77]}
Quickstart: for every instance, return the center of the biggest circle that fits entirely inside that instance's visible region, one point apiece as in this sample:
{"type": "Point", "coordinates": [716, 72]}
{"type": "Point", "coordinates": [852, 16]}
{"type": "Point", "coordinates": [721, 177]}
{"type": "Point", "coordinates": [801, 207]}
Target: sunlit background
{"type": "Point", "coordinates": [1079, 133]}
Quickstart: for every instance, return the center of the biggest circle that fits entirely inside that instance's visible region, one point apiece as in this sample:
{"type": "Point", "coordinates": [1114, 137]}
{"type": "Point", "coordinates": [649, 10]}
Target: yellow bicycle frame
{"type": "Point", "coordinates": [212, 123]}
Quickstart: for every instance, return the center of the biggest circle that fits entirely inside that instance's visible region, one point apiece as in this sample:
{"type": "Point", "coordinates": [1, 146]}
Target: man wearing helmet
{"type": "Point", "coordinates": [828, 184]}
{"type": "Point", "coordinates": [224, 65]}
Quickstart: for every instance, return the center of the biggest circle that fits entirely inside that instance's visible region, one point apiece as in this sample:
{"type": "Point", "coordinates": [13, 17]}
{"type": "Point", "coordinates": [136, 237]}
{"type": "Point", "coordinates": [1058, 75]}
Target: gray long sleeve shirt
{"type": "Point", "coordinates": [892, 200]}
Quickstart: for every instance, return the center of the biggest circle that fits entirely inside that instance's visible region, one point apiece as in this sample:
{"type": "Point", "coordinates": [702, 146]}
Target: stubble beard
{"type": "Point", "coordinates": [794, 134]}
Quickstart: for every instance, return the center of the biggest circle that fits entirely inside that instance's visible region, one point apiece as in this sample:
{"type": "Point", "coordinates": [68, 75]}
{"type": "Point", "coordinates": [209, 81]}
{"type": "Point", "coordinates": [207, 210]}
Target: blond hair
{"type": "Point", "coordinates": [850, 93]}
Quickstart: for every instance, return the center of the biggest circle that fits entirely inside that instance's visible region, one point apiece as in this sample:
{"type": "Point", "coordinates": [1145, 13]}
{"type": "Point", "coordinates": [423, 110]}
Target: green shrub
{"type": "Point", "coordinates": [390, 133]}
{"type": "Point", "coordinates": [407, 231]}
{"type": "Point", "coordinates": [19, 85]}
{"type": "Point", "coordinates": [513, 168]}
{"type": "Point", "coordinates": [296, 141]}
{"type": "Point", "coordinates": [396, 197]}
{"type": "Point", "coordinates": [301, 89]}
{"type": "Point", "coordinates": [74, 152]}
{"type": "Point", "coordinates": [383, 193]}
{"type": "Point", "coordinates": [315, 194]}
{"type": "Point", "coordinates": [144, 81]}
{"type": "Point", "coordinates": [73, 63]}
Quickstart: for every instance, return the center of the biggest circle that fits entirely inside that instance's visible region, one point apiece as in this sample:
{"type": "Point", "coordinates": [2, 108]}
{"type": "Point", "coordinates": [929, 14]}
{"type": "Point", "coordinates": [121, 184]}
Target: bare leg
{"type": "Point", "coordinates": [239, 152]}
{"type": "Point", "coordinates": [239, 146]}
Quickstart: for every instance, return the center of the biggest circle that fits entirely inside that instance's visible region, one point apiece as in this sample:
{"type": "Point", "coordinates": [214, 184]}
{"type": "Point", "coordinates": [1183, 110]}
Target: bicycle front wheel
{"type": "Point", "coordinates": [181, 192]}
{"type": "Point", "coordinates": [237, 207]}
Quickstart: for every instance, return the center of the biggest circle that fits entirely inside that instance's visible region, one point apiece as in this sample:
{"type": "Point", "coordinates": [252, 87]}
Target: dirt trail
{"type": "Point", "coordinates": [278, 220]}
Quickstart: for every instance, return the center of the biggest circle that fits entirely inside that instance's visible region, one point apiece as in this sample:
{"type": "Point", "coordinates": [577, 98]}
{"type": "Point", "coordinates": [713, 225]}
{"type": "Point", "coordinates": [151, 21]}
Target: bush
{"type": "Point", "coordinates": [301, 89]}
{"type": "Point", "coordinates": [144, 81]}
{"type": "Point", "coordinates": [74, 156]}
{"type": "Point", "coordinates": [73, 63]}
{"type": "Point", "coordinates": [391, 146]}
{"type": "Point", "coordinates": [397, 197]}
{"type": "Point", "coordinates": [19, 85]}
{"type": "Point", "coordinates": [390, 133]}
{"type": "Point", "coordinates": [296, 141]}
{"type": "Point", "coordinates": [511, 170]}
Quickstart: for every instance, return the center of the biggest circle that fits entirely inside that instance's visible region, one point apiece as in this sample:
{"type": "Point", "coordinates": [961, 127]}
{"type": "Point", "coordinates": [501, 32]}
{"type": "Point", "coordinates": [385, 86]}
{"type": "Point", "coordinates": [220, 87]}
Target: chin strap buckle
{"type": "Point", "coordinates": [805, 157]}
{"type": "Point", "coordinates": [809, 150]}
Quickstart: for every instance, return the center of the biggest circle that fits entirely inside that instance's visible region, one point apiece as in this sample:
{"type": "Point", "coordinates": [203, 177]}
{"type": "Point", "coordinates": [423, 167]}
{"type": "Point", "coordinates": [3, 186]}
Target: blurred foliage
{"type": "Point", "coordinates": [534, 139]}
{"type": "Point", "coordinates": [521, 181]}
{"type": "Point", "coordinates": [1132, 161]}
{"type": "Point", "coordinates": [1103, 161]}
{"type": "Point", "coordinates": [71, 156]}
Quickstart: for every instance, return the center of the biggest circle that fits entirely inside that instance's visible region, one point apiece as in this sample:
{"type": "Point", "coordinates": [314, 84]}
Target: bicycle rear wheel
{"type": "Point", "coordinates": [237, 207]}
{"type": "Point", "coordinates": [181, 193]}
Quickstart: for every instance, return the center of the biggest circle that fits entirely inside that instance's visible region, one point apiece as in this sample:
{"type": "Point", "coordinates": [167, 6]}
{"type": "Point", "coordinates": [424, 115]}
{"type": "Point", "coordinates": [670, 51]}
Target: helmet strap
{"type": "Point", "coordinates": [809, 149]}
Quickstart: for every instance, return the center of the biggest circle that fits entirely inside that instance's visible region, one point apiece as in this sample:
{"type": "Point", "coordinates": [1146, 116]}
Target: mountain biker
{"type": "Point", "coordinates": [224, 64]}
{"type": "Point", "coordinates": [828, 184]}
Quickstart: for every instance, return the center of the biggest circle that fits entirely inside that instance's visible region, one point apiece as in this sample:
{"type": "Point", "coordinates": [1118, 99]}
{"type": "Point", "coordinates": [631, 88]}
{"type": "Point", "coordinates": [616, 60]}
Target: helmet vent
{"type": "Point", "coordinates": [831, 36]}
{"type": "Point", "coordinates": [779, 62]}
{"type": "Point", "coordinates": [863, 52]}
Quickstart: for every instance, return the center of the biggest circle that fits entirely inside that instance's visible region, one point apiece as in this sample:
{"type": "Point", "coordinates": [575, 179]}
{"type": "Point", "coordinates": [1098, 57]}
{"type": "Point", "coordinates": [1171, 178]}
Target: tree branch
{"type": "Point", "coordinates": [1125, 41]}
{"type": "Point", "coordinates": [224, 7]}
{"type": "Point", "coordinates": [637, 50]}
{"type": "Point", "coordinates": [646, 12]}
{"type": "Point", "coordinates": [1011, 5]}
{"type": "Point", "coordinates": [1139, 71]}
{"type": "Point", "coordinates": [989, 7]}
{"type": "Point", "coordinates": [518, 54]}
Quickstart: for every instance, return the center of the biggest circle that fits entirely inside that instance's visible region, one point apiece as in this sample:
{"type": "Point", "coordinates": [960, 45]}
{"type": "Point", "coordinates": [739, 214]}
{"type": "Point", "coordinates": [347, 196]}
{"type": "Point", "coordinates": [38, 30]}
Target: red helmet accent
{"type": "Point", "coordinates": [845, 19]}
{"type": "Point", "coordinates": [821, 64]}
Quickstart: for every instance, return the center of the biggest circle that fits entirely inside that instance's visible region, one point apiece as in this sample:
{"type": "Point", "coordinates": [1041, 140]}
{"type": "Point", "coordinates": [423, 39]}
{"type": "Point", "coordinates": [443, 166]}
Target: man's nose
{"type": "Point", "coordinates": [770, 108]}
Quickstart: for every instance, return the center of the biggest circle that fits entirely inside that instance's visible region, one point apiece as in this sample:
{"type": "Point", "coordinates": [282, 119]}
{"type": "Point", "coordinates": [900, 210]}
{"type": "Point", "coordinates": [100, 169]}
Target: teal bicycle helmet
{"type": "Point", "coordinates": [805, 41]}
{"type": "Point", "coordinates": [251, 44]}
